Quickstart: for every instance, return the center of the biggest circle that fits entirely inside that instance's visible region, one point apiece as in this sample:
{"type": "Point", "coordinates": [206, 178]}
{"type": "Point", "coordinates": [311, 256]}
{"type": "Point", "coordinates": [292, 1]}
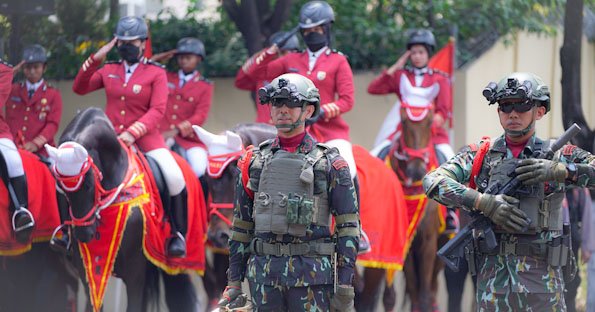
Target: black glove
{"type": "Point", "coordinates": [533, 171]}
{"type": "Point", "coordinates": [232, 292]}
{"type": "Point", "coordinates": [343, 299]}
{"type": "Point", "coordinates": [503, 210]}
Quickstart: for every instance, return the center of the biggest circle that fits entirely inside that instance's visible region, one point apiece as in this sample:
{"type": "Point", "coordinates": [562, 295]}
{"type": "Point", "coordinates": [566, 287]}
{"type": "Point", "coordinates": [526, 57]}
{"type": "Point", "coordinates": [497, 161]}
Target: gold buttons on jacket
{"type": "Point", "coordinates": [28, 108]}
{"type": "Point", "coordinates": [124, 85]}
{"type": "Point", "coordinates": [24, 128]}
{"type": "Point", "coordinates": [122, 98]}
{"type": "Point", "coordinates": [178, 97]}
{"type": "Point", "coordinates": [175, 106]}
{"type": "Point", "coordinates": [191, 99]}
{"type": "Point", "coordinates": [172, 127]}
{"type": "Point", "coordinates": [174, 117]}
{"type": "Point", "coordinates": [25, 118]}
{"type": "Point", "coordinates": [121, 127]}
{"type": "Point", "coordinates": [123, 112]}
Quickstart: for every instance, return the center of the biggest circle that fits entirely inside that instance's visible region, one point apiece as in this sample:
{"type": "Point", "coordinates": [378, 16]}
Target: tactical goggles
{"type": "Point", "coordinates": [290, 103]}
{"type": "Point", "coordinates": [519, 107]}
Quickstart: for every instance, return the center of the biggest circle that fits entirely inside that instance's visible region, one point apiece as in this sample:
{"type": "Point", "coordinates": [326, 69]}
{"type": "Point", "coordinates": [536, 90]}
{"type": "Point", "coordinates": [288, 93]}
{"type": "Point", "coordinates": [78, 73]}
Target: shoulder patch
{"type": "Point", "coordinates": [441, 73]}
{"type": "Point", "coordinates": [114, 62]}
{"type": "Point", "coordinates": [339, 164]}
{"type": "Point", "coordinates": [568, 149]}
{"type": "Point", "coordinates": [154, 63]}
{"type": "Point", "coordinates": [5, 63]}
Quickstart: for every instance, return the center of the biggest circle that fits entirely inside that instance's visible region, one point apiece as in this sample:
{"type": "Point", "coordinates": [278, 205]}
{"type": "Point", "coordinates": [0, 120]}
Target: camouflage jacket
{"type": "Point", "coordinates": [298, 270]}
{"type": "Point", "coordinates": [501, 273]}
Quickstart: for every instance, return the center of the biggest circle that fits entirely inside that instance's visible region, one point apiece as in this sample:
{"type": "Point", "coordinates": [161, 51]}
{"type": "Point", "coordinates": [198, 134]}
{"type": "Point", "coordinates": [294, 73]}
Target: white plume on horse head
{"type": "Point", "coordinates": [219, 144]}
{"type": "Point", "coordinates": [69, 157]}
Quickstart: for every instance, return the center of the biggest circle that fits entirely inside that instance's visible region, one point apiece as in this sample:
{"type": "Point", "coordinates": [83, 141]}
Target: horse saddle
{"type": "Point", "coordinates": [160, 182]}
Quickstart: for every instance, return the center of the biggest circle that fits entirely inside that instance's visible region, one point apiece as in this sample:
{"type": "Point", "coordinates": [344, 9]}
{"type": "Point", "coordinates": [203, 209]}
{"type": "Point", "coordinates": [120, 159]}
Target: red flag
{"type": "Point", "coordinates": [148, 49]}
{"type": "Point", "coordinates": [443, 60]}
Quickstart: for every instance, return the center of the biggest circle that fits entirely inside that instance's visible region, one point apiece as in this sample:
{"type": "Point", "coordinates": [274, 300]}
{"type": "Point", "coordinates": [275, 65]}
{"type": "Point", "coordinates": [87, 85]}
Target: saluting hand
{"type": "Point", "coordinates": [400, 63]}
{"type": "Point", "coordinates": [101, 54]}
{"type": "Point", "coordinates": [164, 57]}
{"type": "Point", "coordinates": [18, 67]}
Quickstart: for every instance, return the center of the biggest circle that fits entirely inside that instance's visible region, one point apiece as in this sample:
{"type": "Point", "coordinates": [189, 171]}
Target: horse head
{"type": "Point", "coordinates": [412, 152]}
{"type": "Point", "coordinates": [89, 165]}
{"type": "Point", "coordinates": [224, 151]}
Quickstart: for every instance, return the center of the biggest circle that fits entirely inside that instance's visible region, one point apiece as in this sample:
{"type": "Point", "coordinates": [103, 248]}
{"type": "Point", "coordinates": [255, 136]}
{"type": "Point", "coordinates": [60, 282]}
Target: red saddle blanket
{"type": "Point", "coordinates": [141, 192]}
{"type": "Point", "coordinates": [382, 211]}
{"type": "Point", "coordinates": [42, 204]}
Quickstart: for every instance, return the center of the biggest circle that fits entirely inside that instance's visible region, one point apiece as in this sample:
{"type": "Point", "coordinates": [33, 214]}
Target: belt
{"type": "Point", "coordinates": [514, 248]}
{"type": "Point", "coordinates": [261, 248]}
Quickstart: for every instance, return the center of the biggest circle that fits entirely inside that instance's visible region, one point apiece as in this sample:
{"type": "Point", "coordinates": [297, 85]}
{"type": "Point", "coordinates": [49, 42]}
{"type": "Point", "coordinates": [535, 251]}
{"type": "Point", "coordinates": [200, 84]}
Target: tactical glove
{"type": "Point", "coordinates": [343, 299]}
{"type": "Point", "coordinates": [230, 294]}
{"type": "Point", "coordinates": [532, 171]}
{"type": "Point", "coordinates": [503, 210]}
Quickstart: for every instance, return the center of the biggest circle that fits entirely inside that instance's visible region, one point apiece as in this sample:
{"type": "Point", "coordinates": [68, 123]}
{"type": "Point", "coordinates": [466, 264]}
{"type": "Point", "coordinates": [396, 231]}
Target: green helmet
{"type": "Point", "coordinates": [521, 86]}
{"type": "Point", "coordinates": [299, 90]}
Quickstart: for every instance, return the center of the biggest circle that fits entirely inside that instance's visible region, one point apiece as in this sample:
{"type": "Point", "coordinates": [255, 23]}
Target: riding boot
{"type": "Point", "coordinates": [452, 221]}
{"type": "Point", "coordinates": [205, 186]}
{"type": "Point", "coordinates": [22, 219]}
{"type": "Point", "coordinates": [62, 244]}
{"type": "Point", "coordinates": [176, 245]}
{"type": "Point", "coordinates": [364, 241]}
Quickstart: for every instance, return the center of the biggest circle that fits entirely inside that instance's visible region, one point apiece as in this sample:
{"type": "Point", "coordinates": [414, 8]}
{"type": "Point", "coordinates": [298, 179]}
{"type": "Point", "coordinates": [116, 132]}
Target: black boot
{"type": "Point", "coordinates": [452, 221]}
{"type": "Point", "coordinates": [61, 244]}
{"type": "Point", "coordinates": [176, 245]}
{"type": "Point", "coordinates": [22, 220]}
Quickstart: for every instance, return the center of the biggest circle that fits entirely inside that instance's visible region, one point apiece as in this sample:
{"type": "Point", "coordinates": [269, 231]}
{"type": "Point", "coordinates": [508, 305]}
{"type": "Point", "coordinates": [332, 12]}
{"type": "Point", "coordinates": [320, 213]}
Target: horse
{"type": "Point", "coordinates": [411, 156]}
{"type": "Point", "coordinates": [224, 151]}
{"type": "Point", "coordinates": [105, 163]}
{"type": "Point", "coordinates": [32, 276]}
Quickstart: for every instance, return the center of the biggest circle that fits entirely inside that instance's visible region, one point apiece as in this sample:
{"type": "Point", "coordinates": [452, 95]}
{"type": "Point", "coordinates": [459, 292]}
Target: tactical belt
{"type": "Point", "coordinates": [261, 248]}
{"type": "Point", "coordinates": [512, 248]}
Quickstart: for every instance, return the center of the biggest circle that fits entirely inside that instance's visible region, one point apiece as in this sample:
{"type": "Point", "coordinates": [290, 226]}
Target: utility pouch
{"type": "Point", "coordinates": [470, 256]}
{"type": "Point", "coordinates": [293, 208]}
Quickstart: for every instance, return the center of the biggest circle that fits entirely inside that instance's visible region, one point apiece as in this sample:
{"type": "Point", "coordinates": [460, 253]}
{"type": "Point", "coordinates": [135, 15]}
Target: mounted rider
{"type": "Point", "coordinates": [288, 190]}
{"type": "Point", "coordinates": [524, 271]}
{"type": "Point", "coordinates": [136, 91]}
{"type": "Point", "coordinates": [34, 109]}
{"type": "Point", "coordinates": [419, 88]}
{"type": "Point", "coordinates": [246, 82]}
{"type": "Point", "coordinates": [21, 219]}
{"type": "Point", "coordinates": [189, 101]}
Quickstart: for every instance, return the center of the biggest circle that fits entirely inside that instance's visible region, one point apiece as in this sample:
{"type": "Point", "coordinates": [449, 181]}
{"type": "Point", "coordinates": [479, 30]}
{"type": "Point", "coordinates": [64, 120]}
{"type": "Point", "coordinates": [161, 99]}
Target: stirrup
{"type": "Point", "coordinates": [180, 236]}
{"type": "Point", "coordinates": [25, 226]}
{"type": "Point", "coordinates": [54, 238]}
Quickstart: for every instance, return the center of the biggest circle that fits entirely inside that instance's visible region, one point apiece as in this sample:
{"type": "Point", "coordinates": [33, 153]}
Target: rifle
{"type": "Point", "coordinates": [462, 245]}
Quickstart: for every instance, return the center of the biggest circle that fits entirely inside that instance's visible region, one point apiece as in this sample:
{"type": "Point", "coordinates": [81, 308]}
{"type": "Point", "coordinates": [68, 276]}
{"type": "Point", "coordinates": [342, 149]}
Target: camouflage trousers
{"type": "Point", "coordinates": [520, 302]}
{"type": "Point", "coordinates": [280, 298]}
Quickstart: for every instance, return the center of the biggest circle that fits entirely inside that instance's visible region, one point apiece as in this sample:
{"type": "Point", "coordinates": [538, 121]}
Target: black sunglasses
{"type": "Point", "coordinates": [521, 107]}
{"type": "Point", "coordinates": [279, 102]}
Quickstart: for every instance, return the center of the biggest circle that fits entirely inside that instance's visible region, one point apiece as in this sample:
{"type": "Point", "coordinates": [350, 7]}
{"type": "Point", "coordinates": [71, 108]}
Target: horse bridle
{"type": "Point", "coordinates": [215, 207]}
{"type": "Point", "coordinates": [101, 199]}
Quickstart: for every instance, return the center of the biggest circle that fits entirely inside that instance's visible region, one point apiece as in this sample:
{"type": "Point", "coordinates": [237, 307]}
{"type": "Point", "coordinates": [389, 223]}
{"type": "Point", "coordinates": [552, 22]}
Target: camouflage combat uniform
{"type": "Point", "coordinates": [507, 281]}
{"type": "Point", "coordinates": [285, 282]}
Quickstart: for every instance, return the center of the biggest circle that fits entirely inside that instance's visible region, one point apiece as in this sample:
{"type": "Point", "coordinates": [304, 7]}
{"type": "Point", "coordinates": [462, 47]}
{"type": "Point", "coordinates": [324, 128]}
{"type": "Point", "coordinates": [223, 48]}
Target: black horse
{"type": "Point", "coordinates": [37, 280]}
{"type": "Point", "coordinates": [92, 129]}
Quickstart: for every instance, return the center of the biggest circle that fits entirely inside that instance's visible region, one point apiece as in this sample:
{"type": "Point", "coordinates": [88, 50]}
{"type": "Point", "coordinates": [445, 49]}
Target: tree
{"type": "Point", "coordinates": [257, 20]}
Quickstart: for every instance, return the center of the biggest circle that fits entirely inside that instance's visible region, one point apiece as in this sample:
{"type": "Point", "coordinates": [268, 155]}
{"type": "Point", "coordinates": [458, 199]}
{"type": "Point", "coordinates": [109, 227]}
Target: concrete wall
{"type": "Point", "coordinates": [473, 117]}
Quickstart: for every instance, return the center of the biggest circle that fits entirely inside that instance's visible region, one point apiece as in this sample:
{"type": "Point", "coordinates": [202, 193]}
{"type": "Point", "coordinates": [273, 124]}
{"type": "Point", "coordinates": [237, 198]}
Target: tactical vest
{"type": "Point", "coordinates": [544, 211]}
{"type": "Point", "coordinates": [290, 190]}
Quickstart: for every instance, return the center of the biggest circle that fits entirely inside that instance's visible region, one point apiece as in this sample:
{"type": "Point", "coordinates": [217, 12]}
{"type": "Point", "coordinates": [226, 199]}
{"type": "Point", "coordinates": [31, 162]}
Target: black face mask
{"type": "Point", "coordinates": [315, 41]}
{"type": "Point", "coordinates": [129, 53]}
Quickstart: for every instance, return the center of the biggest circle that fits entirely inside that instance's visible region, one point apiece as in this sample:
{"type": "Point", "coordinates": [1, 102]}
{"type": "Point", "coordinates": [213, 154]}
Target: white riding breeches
{"type": "Point", "coordinates": [346, 152]}
{"type": "Point", "coordinates": [12, 158]}
{"type": "Point", "coordinates": [169, 168]}
{"type": "Point", "coordinates": [197, 157]}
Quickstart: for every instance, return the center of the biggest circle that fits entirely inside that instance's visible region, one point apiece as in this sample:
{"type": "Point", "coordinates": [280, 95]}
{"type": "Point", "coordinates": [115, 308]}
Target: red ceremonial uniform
{"type": "Point", "coordinates": [34, 119]}
{"type": "Point", "coordinates": [245, 82]}
{"type": "Point", "coordinates": [385, 84]}
{"type": "Point", "coordinates": [187, 106]}
{"type": "Point", "coordinates": [5, 83]}
{"type": "Point", "coordinates": [136, 106]}
{"type": "Point", "coordinates": [332, 76]}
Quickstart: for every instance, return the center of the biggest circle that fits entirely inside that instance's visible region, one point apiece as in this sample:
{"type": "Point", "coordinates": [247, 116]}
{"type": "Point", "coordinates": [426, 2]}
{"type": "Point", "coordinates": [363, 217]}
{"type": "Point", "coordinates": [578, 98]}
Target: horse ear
{"type": "Point", "coordinates": [52, 152]}
{"type": "Point", "coordinates": [80, 153]}
{"type": "Point", "coordinates": [205, 136]}
{"type": "Point", "coordinates": [234, 141]}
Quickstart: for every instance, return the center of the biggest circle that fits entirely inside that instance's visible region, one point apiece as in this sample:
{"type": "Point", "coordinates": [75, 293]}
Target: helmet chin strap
{"type": "Point", "coordinates": [523, 132]}
{"type": "Point", "coordinates": [296, 124]}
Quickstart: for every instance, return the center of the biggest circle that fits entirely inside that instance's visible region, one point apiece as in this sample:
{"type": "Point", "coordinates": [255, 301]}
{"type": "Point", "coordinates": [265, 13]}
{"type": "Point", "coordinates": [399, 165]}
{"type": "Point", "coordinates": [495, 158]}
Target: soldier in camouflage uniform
{"type": "Point", "coordinates": [524, 272]}
{"type": "Point", "coordinates": [288, 189]}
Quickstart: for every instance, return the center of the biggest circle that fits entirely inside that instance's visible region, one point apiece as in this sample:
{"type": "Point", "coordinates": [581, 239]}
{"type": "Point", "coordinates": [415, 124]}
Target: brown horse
{"type": "Point", "coordinates": [411, 156]}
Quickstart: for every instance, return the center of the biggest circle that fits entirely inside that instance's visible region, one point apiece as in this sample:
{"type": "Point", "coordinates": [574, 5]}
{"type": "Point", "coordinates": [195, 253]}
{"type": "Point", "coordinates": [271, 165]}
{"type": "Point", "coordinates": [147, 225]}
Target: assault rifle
{"type": "Point", "coordinates": [462, 245]}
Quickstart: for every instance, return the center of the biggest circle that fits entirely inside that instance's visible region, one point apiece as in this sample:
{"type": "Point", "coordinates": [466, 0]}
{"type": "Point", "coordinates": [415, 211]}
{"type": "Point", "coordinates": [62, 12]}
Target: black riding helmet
{"type": "Point", "coordinates": [423, 37]}
{"type": "Point", "coordinates": [190, 45]}
{"type": "Point", "coordinates": [131, 28]}
{"type": "Point", "coordinates": [34, 54]}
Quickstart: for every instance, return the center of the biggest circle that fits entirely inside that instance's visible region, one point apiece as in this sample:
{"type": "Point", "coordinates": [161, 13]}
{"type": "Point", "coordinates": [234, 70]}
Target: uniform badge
{"type": "Point", "coordinates": [321, 75]}
{"type": "Point", "coordinates": [44, 101]}
{"type": "Point", "coordinates": [171, 85]}
{"type": "Point", "coordinates": [15, 99]}
{"type": "Point", "coordinates": [136, 88]}
{"type": "Point", "coordinates": [42, 115]}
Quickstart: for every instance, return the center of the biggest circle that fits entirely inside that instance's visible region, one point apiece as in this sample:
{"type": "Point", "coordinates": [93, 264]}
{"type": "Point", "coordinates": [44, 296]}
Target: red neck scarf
{"type": "Point", "coordinates": [291, 144]}
{"type": "Point", "coordinates": [515, 148]}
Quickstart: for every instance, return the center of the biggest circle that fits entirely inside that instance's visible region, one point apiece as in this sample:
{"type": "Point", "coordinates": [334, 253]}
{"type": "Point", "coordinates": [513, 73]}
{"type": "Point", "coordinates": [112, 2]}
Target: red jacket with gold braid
{"type": "Point", "coordinates": [136, 106]}
{"type": "Point", "coordinates": [34, 119]}
{"type": "Point", "coordinates": [332, 76]}
{"type": "Point", "coordinates": [5, 83]}
{"type": "Point", "coordinates": [187, 106]}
